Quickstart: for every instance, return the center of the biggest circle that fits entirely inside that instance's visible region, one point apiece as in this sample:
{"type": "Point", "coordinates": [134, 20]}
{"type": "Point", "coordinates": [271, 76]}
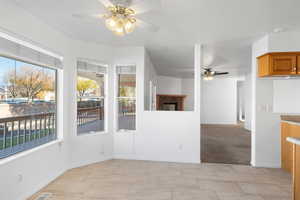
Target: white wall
{"type": "Point", "coordinates": [248, 101]}
{"type": "Point", "coordinates": [219, 101]}
{"type": "Point", "coordinates": [41, 165]}
{"type": "Point", "coordinates": [240, 100]}
{"type": "Point", "coordinates": [91, 148]}
{"type": "Point", "coordinates": [168, 85]}
{"type": "Point", "coordinates": [160, 136]}
{"type": "Point", "coordinates": [286, 96]}
{"type": "Point", "coordinates": [149, 75]}
{"type": "Point", "coordinates": [187, 88]}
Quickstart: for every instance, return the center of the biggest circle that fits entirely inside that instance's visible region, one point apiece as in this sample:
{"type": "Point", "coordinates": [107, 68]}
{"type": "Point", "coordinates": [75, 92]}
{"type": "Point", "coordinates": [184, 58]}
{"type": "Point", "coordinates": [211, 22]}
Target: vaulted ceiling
{"type": "Point", "coordinates": [225, 27]}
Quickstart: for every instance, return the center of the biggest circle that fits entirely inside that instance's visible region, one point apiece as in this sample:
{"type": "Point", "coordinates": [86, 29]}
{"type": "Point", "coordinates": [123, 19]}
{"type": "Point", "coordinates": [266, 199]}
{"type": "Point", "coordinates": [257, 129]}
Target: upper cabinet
{"type": "Point", "coordinates": [279, 64]}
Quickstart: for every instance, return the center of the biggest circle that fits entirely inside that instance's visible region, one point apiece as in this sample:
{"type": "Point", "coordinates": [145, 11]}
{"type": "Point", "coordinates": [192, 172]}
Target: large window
{"type": "Point", "coordinates": [90, 98]}
{"type": "Point", "coordinates": [126, 97]}
{"type": "Point", "coordinates": [27, 106]}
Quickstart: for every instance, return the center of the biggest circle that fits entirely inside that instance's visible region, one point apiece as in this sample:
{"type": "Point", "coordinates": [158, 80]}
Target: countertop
{"type": "Point", "coordinates": [291, 118]}
{"type": "Point", "coordinates": [293, 140]}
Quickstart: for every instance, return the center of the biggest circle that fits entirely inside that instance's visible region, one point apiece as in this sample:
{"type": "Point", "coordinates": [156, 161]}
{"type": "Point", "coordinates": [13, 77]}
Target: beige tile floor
{"type": "Point", "coordinates": [143, 180]}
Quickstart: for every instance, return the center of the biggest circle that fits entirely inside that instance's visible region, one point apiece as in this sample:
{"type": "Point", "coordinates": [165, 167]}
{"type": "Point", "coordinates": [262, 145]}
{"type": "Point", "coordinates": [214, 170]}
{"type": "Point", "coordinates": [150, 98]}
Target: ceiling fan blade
{"type": "Point", "coordinates": [147, 26]}
{"type": "Point", "coordinates": [85, 16]}
{"type": "Point", "coordinates": [145, 6]}
{"type": "Point", "coordinates": [106, 3]}
{"type": "Point", "coordinates": [221, 73]}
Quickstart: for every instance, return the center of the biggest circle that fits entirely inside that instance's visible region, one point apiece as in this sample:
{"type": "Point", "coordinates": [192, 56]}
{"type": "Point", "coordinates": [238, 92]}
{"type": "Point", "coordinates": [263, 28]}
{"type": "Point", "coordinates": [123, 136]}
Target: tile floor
{"type": "Point", "coordinates": [143, 180]}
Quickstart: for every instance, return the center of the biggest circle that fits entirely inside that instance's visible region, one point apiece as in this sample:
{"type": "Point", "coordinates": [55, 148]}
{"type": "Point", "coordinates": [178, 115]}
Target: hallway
{"type": "Point", "coordinates": [227, 144]}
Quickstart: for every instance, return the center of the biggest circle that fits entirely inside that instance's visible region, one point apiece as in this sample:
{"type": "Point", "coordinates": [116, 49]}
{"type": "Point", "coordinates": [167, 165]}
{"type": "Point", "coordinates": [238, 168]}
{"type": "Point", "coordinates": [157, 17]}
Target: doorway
{"type": "Point", "coordinates": [224, 138]}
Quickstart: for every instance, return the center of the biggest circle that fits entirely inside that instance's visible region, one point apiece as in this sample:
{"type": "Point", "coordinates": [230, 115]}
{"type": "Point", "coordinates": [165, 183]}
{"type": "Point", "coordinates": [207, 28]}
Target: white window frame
{"type": "Point", "coordinates": [58, 106]}
{"type": "Point", "coordinates": [105, 97]}
{"type": "Point", "coordinates": [152, 96]}
{"type": "Point", "coordinates": [116, 98]}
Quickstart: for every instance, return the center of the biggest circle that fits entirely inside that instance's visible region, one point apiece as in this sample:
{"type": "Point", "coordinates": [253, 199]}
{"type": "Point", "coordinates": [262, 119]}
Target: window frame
{"type": "Point", "coordinates": [105, 98]}
{"type": "Point", "coordinates": [58, 137]}
{"type": "Point", "coordinates": [116, 98]}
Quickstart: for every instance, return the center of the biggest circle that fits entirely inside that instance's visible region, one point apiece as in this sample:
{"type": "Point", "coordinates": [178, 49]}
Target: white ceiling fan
{"type": "Point", "coordinates": [120, 16]}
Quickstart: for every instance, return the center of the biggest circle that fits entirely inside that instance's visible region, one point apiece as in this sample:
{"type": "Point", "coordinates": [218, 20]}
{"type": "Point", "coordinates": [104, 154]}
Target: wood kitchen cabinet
{"type": "Point", "coordinates": [296, 174]}
{"type": "Point", "coordinates": [286, 148]}
{"type": "Point", "coordinates": [288, 130]}
{"type": "Point", "coordinates": [279, 64]}
{"type": "Point", "coordinates": [298, 65]}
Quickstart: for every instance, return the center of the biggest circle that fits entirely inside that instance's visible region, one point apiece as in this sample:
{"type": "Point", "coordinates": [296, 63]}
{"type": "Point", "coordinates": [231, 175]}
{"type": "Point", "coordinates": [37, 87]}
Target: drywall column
{"type": "Point", "coordinates": [258, 48]}
{"type": "Point", "coordinates": [265, 123]}
{"type": "Point", "coordinates": [198, 63]}
{"type": "Point", "coordinates": [248, 100]}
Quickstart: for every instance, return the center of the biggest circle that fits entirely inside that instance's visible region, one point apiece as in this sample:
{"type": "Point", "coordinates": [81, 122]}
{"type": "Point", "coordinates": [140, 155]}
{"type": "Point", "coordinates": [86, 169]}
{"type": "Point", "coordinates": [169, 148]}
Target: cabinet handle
{"type": "Point", "coordinates": [294, 69]}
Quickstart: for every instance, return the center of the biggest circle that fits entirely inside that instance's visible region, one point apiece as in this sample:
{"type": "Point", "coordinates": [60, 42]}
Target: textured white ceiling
{"type": "Point", "coordinates": [224, 26]}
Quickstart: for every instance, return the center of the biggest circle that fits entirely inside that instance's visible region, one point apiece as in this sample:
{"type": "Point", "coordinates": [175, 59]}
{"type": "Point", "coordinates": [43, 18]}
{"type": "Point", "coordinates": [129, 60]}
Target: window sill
{"type": "Point", "coordinates": [93, 134]}
{"type": "Point", "coordinates": [126, 132]}
{"type": "Point", "coordinates": [30, 151]}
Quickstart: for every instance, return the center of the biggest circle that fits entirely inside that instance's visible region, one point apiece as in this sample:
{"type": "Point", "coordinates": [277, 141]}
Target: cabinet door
{"type": "Point", "coordinates": [296, 174]}
{"type": "Point", "coordinates": [284, 64]}
{"type": "Point", "coordinates": [286, 148]}
{"type": "Point", "coordinates": [298, 64]}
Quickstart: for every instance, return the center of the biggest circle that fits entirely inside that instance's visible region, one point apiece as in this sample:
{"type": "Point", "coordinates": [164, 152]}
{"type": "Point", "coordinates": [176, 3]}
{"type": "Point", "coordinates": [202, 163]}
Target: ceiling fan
{"type": "Point", "coordinates": [120, 15]}
{"type": "Point", "coordinates": [209, 73]}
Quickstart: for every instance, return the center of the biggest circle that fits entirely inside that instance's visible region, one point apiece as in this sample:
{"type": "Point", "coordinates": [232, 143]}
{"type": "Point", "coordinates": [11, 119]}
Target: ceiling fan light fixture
{"type": "Point", "coordinates": [208, 78]}
{"type": "Point", "coordinates": [119, 30]}
{"type": "Point", "coordinates": [129, 25]}
{"type": "Point", "coordinates": [111, 23]}
{"type": "Point", "coordinates": [121, 20]}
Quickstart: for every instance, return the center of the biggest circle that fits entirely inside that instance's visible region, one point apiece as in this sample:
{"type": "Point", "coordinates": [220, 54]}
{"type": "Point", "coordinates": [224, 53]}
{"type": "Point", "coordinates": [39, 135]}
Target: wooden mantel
{"type": "Point", "coordinates": [170, 102]}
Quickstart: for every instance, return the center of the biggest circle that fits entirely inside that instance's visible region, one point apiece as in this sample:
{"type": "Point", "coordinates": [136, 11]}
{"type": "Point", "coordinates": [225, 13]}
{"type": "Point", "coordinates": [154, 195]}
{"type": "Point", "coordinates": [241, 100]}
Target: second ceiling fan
{"type": "Point", "coordinates": [209, 73]}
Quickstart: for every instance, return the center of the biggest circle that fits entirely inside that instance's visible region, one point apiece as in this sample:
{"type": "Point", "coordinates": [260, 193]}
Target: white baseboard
{"type": "Point", "coordinates": [266, 164]}
{"type": "Point", "coordinates": [135, 157]}
{"type": "Point", "coordinates": [89, 162]}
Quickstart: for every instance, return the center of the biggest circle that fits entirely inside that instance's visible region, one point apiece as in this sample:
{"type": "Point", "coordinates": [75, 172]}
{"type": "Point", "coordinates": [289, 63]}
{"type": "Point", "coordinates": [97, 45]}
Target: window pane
{"type": "Point", "coordinates": [127, 85]}
{"type": "Point", "coordinates": [126, 115]}
{"type": "Point", "coordinates": [27, 106]}
{"type": "Point", "coordinates": [90, 102]}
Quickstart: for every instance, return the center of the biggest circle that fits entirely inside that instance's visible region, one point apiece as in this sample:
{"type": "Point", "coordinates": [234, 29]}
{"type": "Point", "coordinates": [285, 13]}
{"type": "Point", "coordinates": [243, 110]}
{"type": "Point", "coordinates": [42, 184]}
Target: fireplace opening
{"type": "Point", "coordinates": [170, 106]}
